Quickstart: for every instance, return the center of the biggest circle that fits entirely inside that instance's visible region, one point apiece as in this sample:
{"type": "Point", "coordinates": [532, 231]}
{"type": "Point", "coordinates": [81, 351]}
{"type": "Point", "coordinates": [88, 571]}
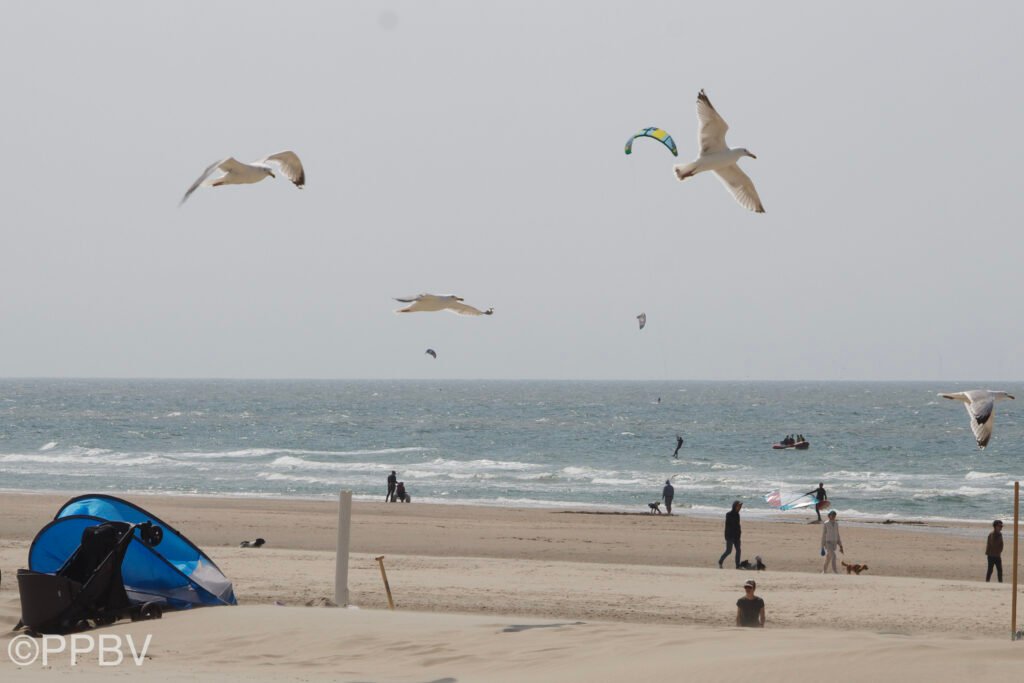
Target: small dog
{"type": "Point", "coordinates": [655, 507]}
{"type": "Point", "coordinates": [855, 568]}
{"type": "Point", "coordinates": [757, 565]}
{"type": "Point", "coordinates": [252, 544]}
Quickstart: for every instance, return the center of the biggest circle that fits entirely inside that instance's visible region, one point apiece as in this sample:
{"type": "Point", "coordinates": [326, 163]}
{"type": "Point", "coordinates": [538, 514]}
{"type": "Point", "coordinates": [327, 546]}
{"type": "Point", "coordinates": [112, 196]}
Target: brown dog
{"type": "Point", "coordinates": [855, 568]}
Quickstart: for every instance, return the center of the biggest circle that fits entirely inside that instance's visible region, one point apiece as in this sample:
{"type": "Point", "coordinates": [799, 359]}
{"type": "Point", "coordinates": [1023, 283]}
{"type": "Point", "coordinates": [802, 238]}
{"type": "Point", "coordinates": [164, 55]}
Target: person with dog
{"type": "Point", "coordinates": [830, 541]}
{"type": "Point", "coordinates": [821, 496]}
{"type": "Point", "coordinates": [392, 483]}
{"type": "Point", "coordinates": [667, 494]}
{"type": "Point", "coordinates": [994, 551]}
{"type": "Point", "coordinates": [750, 608]}
{"type": "Point", "coordinates": [732, 533]}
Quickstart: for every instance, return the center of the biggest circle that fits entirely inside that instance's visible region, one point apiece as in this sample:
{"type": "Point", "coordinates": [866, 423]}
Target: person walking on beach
{"type": "Point", "coordinates": [669, 492]}
{"type": "Point", "coordinates": [829, 541]}
{"type": "Point", "coordinates": [679, 444]}
{"type": "Point", "coordinates": [750, 608]}
{"type": "Point", "coordinates": [392, 483]}
{"type": "Point", "coordinates": [994, 550]}
{"type": "Point", "coordinates": [819, 495]}
{"type": "Point", "coordinates": [732, 533]}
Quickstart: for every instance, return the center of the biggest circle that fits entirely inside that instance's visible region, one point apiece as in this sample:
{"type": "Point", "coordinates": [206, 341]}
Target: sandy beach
{"type": "Point", "coordinates": [604, 596]}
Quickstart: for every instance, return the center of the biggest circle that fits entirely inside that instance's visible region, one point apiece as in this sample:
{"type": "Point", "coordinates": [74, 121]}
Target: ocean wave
{"type": "Point", "coordinates": [620, 482]}
{"type": "Point", "coordinates": [107, 458]}
{"type": "Point", "coordinates": [265, 452]}
{"type": "Point", "coordinates": [48, 446]}
{"type": "Point", "coordinates": [984, 475]}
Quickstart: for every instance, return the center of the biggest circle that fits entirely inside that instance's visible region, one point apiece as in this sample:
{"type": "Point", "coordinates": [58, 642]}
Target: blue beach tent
{"type": "Point", "coordinates": [175, 571]}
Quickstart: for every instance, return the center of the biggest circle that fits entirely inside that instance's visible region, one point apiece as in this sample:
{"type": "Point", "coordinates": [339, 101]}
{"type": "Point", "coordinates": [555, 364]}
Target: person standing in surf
{"type": "Point", "coordinates": [679, 444]}
{"type": "Point", "coordinates": [732, 533]}
{"type": "Point", "coordinates": [830, 541]}
{"type": "Point", "coordinates": [392, 483]}
{"type": "Point", "coordinates": [667, 494]}
{"type": "Point", "coordinates": [820, 496]}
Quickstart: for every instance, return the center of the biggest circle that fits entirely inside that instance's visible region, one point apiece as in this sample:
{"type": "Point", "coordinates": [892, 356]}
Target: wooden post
{"type": "Point", "coordinates": [1013, 600]}
{"type": "Point", "coordinates": [341, 555]}
{"type": "Point", "coordinates": [383, 575]}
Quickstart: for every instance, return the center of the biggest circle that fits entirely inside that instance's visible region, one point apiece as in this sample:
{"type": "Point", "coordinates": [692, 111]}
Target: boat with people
{"type": "Point", "coordinates": [797, 442]}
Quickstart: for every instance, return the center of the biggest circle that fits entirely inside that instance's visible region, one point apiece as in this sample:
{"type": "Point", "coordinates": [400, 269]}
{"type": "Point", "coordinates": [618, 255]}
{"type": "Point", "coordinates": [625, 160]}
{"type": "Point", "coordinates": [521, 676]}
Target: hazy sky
{"type": "Point", "coordinates": [475, 148]}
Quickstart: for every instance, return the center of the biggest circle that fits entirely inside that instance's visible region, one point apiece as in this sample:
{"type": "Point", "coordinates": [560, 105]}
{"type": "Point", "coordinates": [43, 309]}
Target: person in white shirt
{"type": "Point", "coordinates": [830, 541]}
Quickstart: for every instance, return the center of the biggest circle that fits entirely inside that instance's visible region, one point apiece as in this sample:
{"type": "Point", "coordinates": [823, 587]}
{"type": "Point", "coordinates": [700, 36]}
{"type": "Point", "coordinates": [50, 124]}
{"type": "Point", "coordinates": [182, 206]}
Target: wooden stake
{"type": "Point", "coordinates": [1013, 600]}
{"type": "Point", "coordinates": [341, 553]}
{"type": "Point", "coordinates": [383, 575]}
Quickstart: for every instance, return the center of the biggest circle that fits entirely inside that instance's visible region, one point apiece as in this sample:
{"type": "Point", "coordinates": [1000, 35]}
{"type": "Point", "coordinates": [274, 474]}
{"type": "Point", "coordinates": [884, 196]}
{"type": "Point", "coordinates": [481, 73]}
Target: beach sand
{"type": "Point", "coordinates": [607, 597]}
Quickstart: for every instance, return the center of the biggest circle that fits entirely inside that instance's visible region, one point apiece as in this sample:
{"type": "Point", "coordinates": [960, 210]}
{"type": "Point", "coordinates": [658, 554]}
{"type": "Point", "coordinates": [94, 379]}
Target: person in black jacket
{"type": "Point", "coordinates": [392, 484]}
{"type": "Point", "coordinates": [732, 533]}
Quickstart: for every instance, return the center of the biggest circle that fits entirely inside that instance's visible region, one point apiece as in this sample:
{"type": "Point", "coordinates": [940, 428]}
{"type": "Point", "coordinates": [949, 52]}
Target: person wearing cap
{"type": "Point", "coordinates": [829, 541]}
{"type": "Point", "coordinates": [732, 533]}
{"type": "Point", "coordinates": [667, 494]}
{"type": "Point", "coordinates": [994, 550]}
{"type": "Point", "coordinates": [750, 608]}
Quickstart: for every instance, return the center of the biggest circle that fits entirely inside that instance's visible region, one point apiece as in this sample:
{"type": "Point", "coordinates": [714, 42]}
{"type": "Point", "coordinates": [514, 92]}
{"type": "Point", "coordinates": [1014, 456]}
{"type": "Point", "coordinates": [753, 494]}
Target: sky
{"type": "Point", "coordinates": [477, 149]}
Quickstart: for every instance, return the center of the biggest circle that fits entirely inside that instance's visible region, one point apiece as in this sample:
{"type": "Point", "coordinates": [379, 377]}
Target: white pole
{"type": "Point", "coordinates": [341, 560]}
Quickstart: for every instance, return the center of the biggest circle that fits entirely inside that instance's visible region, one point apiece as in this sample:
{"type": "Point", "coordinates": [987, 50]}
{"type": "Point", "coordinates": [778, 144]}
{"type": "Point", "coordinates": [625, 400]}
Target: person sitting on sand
{"type": "Point", "coordinates": [400, 495]}
{"type": "Point", "coordinates": [750, 608]}
{"type": "Point", "coordinates": [667, 494]}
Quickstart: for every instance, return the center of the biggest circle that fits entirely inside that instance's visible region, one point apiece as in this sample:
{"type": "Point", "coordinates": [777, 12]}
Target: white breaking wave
{"type": "Point", "coordinates": [49, 446]}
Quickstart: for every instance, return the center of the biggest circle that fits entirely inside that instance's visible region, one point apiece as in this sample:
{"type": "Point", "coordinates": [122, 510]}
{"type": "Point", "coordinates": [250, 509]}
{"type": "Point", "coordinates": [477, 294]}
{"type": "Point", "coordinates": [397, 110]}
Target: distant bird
{"type": "Point", "coordinates": [716, 156]}
{"type": "Point", "coordinates": [980, 405]}
{"type": "Point", "coordinates": [643, 320]}
{"type": "Point", "coordinates": [432, 352]}
{"type": "Point", "coordinates": [237, 173]}
{"type": "Point", "coordinates": [433, 302]}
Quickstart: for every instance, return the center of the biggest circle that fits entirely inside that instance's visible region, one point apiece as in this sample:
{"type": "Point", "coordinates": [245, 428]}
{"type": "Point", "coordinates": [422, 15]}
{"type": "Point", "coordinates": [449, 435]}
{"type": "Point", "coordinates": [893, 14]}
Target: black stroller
{"type": "Point", "coordinates": [89, 587]}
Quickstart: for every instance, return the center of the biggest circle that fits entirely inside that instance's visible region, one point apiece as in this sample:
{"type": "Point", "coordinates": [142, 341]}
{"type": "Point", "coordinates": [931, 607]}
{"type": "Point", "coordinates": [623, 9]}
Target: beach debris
{"type": "Point", "coordinates": [429, 303]}
{"type": "Point", "coordinates": [321, 602]}
{"type": "Point", "coordinates": [656, 134]}
{"type": "Point", "coordinates": [642, 318]}
{"type": "Point", "coordinates": [719, 158]}
{"type": "Point", "coordinates": [431, 352]}
{"type": "Point", "coordinates": [238, 173]}
{"type": "Point", "coordinates": [258, 543]}
{"type": "Point", "coordinates": [980, 405]}
{"type": "Point", "coordinates": [384, 576]}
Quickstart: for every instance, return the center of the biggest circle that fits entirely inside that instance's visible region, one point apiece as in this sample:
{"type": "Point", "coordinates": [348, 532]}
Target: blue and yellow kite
{"type": "Point", "coordinates": [656, 133]}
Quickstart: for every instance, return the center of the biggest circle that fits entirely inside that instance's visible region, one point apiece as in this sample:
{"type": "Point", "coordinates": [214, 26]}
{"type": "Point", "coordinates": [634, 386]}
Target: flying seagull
{"type": "Point", "coordinates": [432, 352]}
{"type": "Point", "coordinates": [980, 404]}
{"type": "Point", "coordinates": [716, 156]}
{"type": "Point", "coordinates": [643, 320]}
{"type": "Point", "coordinates": [237, 173]}
{"type": "Point", "coordinates": [433, 302]}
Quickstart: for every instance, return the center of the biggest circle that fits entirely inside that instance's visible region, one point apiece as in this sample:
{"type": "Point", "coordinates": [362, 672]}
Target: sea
{"type": "Point", "coordinates": [884, 450]}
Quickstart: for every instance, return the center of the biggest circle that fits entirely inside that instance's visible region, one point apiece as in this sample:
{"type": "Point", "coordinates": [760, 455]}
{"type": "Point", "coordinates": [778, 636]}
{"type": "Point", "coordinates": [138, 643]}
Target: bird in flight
{"type": "Point", "coordinates": [433, 302]}
{"type": "Point", "coordinates": [980, 405]}
{"type": "Point", "coordinates": [431, 352]}
{"type": "Point", "coordinates": [643, 320]}
{"type": "Point", "coordinates": [237, 173]}
{"type": "Point", "coordinates": [718, 157]}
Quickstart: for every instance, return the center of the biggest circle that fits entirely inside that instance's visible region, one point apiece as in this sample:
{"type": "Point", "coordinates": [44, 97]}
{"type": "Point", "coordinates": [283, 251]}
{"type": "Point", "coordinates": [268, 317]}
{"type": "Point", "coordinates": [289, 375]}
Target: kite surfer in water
{"type": "Point", "coordinates": [679, 444]}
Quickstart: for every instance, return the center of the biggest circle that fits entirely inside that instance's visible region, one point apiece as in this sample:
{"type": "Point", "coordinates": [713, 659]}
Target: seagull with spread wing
{"type": "Point", "coordinates": [432, 302]}
{"type": "Point", "coordinates": [980, 404]}
{"type": "Point", "coordinates": [237, 173]}
{"type": "Point", "coordinates": [718, 157]}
